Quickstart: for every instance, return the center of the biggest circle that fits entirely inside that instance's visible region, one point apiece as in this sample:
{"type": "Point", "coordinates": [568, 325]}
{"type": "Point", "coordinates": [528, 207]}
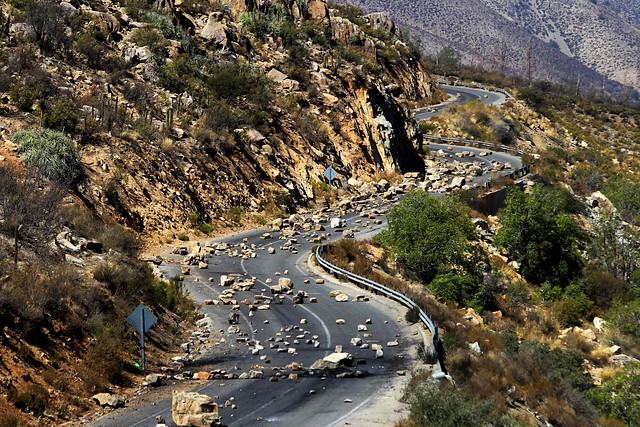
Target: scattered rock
{"type": "Point", "coordinates": [155, 380]}
{"type": "Point", "coordinates": [202, 375]}
{"type": "Point", "coordinates": [475, 347]}
{"type": "Point", "coordinates": [600, 324]}
{"type": "Point", "coordinates": [342, 297]}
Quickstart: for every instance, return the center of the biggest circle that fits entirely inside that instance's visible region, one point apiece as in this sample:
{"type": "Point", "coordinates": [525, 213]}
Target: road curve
{"type": "Point", "coordinates": [460, 95]}
{"type": "Point", "coordinates": [314, 399]}
{"type": "Point", "coordinates": [317, 400]}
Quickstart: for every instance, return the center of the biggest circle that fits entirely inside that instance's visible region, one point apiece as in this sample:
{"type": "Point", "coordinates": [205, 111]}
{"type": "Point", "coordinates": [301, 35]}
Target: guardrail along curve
{"type": "Point", "coordinates": [431, 347]}
{"type": "Point", "coordinates": [460, 142]}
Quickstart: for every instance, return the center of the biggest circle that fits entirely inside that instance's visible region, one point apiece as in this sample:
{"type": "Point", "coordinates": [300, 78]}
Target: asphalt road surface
{"type": "Point", "coordinates": [460, 95]}
{"type": "Point", "coordinates": [315, 398]}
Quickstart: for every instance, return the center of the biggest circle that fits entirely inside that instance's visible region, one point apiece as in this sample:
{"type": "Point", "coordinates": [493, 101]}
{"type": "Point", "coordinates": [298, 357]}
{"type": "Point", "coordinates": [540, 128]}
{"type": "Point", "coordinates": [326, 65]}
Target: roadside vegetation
{"type": "Point", "coordinates": [72, 311]}
{"type": "Point", "coordinates": [553, 298]}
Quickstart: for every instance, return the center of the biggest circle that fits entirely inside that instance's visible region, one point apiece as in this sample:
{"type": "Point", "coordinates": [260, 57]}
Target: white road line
{"type": "Point", "coordinates": [324, 325]}
{"type": "Point", "coordinates": [351, 412]}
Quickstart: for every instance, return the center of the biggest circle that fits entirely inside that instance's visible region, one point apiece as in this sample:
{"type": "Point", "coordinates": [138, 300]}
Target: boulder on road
{"type": "Point", "coordinates": [333, 361]}
{"type": "Point", "coordinates": [194, 409]}
{"type": "Point", "coordinates": [155, 380]}
{"type": "Point", "coordinates": [106, 399]}
{"type": "Point", "coordinates": [342, 297]}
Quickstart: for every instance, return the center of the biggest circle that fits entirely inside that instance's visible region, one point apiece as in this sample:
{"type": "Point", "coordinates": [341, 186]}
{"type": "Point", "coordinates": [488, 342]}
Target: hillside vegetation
{"type": "Point", "coordinates": [536, 306]}
{"type": "Point", "coordinates": [133, 123]}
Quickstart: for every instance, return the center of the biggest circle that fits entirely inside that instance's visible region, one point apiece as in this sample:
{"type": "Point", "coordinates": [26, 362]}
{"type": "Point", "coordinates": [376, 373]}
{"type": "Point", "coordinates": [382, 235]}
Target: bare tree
{"type": "Point", "coordinates": [27, 202]}
{"type": "Point", "coordinates": [529, 61]}
{"type": "Point", "coordinates": [47, 21]}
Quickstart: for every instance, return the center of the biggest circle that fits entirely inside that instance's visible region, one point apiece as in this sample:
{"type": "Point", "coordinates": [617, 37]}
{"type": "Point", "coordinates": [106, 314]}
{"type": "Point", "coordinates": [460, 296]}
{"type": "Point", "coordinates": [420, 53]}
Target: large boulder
{"type": "Point", "coordinates": [215, 31]}
{"type": "Point", "coordinates": [318, 11]}
{"type": "Point", "coordinates": [381, 21]}
{"type": "Point", "coordinates": [333, 361]}
{"type": "Point", "coordinates": [106, 399]}
{"type": "Point", "coordinates": [194, 409]}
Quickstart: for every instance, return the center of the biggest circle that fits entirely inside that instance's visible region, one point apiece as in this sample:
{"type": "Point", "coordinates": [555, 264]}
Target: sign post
{"type": "Point", "coordinates": [142, 319]}
{"type": "Point", "coordinates": [330, 173]}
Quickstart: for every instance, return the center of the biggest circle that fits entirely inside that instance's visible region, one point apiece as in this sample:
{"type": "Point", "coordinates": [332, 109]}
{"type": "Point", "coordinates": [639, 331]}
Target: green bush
{"type": "Point", "coordinates": [624, 193]}
{"type": "Point", "coordinates": [431, 236]}
{"type": "Point", "coordinates": [624, 316]}
{"type": "Point", "coordinates": [562, 365]}
{"type": "Point", "coordinates": [183, 237]}
{"type": "Point", "coordinates": [205, 228]}
{"type": "Point", "coordinates": [60, 114]}
{"type": "Point", "coordinates": [431, 404]}
{"type": "Point", "coordinates": [51, 152]}
{"type": "Point", "coordinates": [151, 38]}
{"type": "Point", "coordinates": [177, 75]}
{"type": "Point", "coordinates": [172, 296]}
{"type": "Point", "coordinates": [539, 232]}
{"type": "Point", "coordinates": [236, 82]}
{"type": "Point", "coordinates": [466, 290]}
{"type": "Point", "coordinates": [572, 307]}
{"type": "Point", "coordinates": [619, 396]}
{"type": "Point", "coordinates": [235, 213]}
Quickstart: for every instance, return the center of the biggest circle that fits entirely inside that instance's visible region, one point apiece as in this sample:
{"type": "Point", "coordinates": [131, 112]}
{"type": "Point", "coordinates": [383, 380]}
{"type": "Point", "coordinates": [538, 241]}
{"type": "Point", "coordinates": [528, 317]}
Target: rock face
{"type": "Point", "coordinates": [194, 409]}
{"type": "Point", "coordinates": [356, 123]}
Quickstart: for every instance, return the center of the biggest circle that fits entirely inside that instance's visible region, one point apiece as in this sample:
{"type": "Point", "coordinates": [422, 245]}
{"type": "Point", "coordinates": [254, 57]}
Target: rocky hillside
{"type": "Point", "coordinates": [185, 112]}
{"type": "Point", "coordinates": [172, 119]}
{"type": "Point", "coordinates": [564, 41]}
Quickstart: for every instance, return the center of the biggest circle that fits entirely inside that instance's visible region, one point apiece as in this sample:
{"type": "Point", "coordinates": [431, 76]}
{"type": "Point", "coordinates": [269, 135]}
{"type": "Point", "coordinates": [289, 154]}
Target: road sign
{"type": "Point", "coordinates": [142, 319]}
{"type": "Point", "coordinates": [330, 173]}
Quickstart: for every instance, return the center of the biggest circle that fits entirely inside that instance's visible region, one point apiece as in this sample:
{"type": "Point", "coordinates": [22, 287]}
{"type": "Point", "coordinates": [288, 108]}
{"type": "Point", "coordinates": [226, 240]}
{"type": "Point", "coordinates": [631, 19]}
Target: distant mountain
{"type": "Point", "coordinates": [558, 40]}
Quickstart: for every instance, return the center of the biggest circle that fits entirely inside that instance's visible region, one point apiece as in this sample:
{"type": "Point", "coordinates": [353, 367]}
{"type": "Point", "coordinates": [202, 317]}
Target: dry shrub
{"type": "Point", "coordinates": [103, 364]}
{"type": "Point", "coordinates": [560, 414]}
{"type": "Point", "coordinates": [576, 341]}
{"type": "Point", "coordinates": [461, 365]}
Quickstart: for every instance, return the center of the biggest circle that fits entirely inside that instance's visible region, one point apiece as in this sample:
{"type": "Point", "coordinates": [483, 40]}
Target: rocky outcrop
{"type": "Point", "coordinates": [215, 30]}
{"type": "Point", "coordinates": [355, 122]}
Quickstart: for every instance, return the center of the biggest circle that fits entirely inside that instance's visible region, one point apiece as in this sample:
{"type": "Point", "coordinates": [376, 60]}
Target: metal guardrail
{"type": "Point", "coordinates": [431, 347]}
{"type": "Point", "coordinates": [474, 143]}
{"type": "Point", "coordinates": [524, 170]}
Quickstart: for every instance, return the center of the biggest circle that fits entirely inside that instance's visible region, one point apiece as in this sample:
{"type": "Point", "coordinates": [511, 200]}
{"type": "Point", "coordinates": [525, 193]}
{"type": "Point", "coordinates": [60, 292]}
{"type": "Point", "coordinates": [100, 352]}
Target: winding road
{"type": "Point", "coordinates": [459, 95]}
{"type": "Point", "coordinates": [301, 333]}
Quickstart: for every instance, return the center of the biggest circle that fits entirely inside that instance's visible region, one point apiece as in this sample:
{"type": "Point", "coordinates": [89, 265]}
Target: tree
{"type": "Point", "coordinates": [615, 247]}
{"type": "Point", "coordinates": [448, 59]}
{"type": "Point", "coordinates": [431, 235]}
{"type": "Point", "coordinates": [540, 234]}
{"type": "Point", "coordinates": [624, 193]}
{"type": "Point", "coordinates": [26, 203]}
{"type": "Point", "coordinates": [47, 20]}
